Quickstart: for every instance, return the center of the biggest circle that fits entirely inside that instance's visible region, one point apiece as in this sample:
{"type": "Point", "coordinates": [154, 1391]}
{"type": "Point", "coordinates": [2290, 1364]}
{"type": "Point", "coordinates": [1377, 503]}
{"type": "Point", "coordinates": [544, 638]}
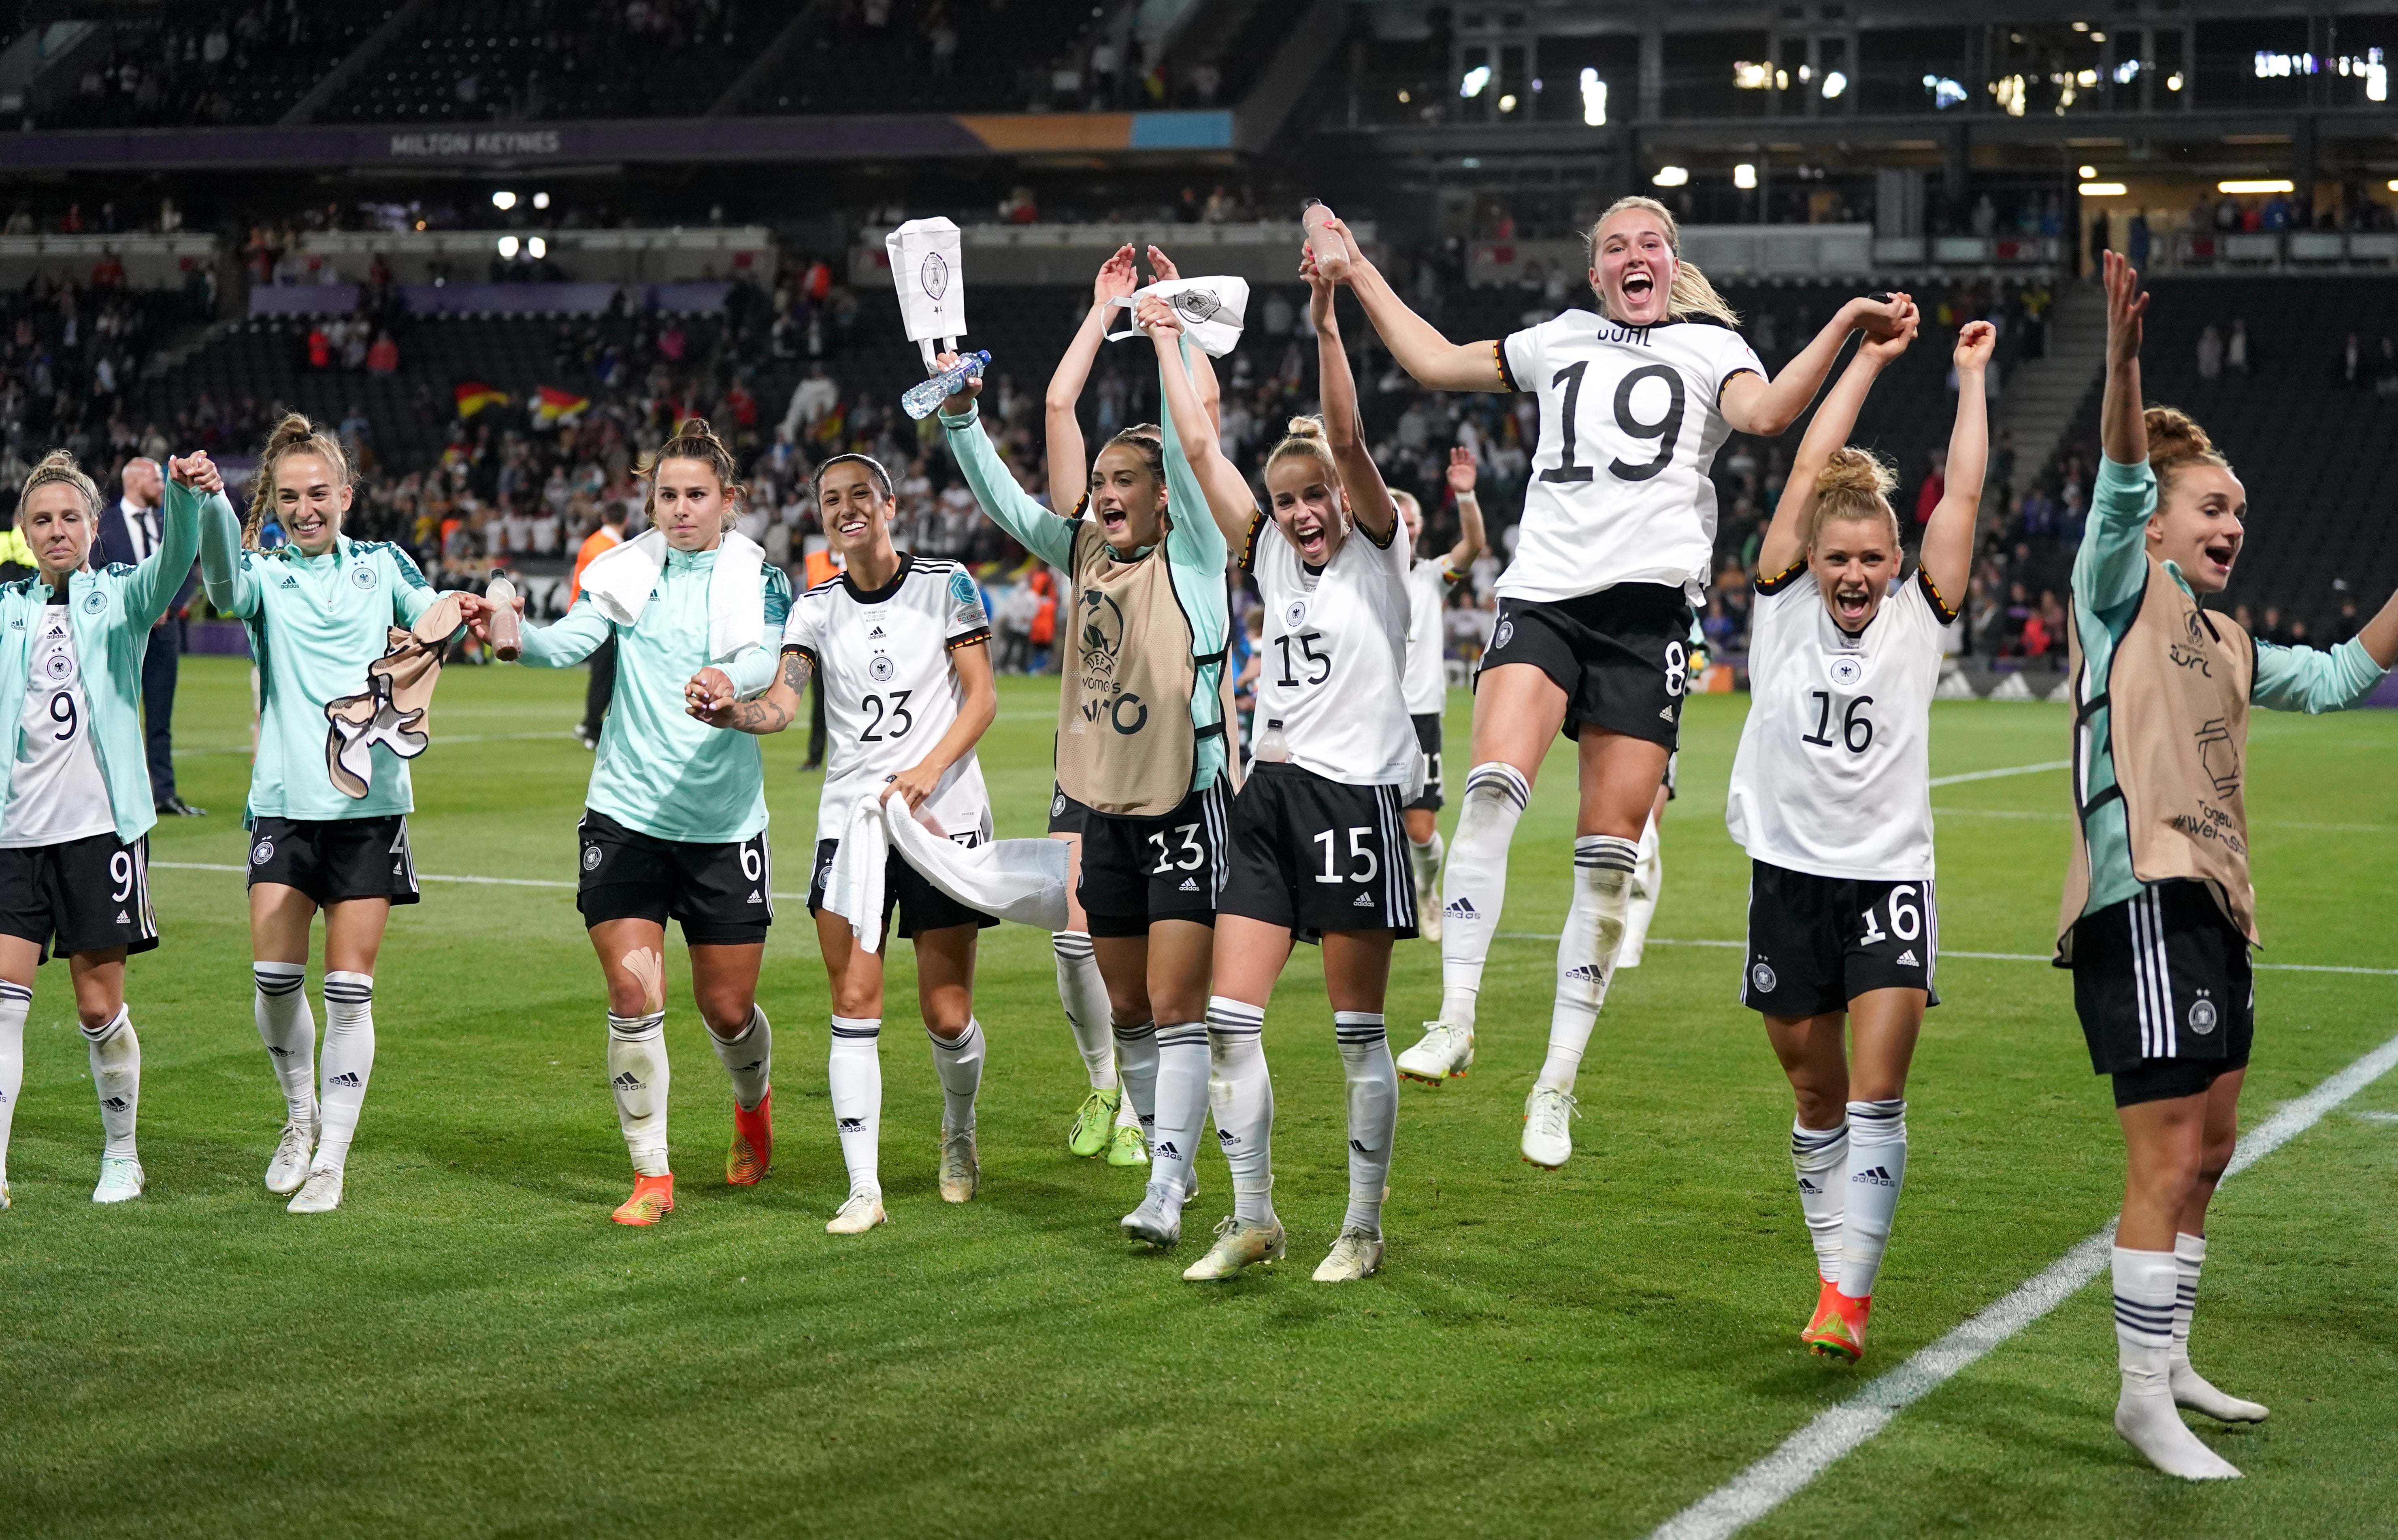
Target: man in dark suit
{"type": "Point", "coordinates": [129, 532]}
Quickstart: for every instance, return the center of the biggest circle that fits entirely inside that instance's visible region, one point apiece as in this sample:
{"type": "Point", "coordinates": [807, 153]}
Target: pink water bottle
{"type": "Point", "coordinates": [1331, 251]}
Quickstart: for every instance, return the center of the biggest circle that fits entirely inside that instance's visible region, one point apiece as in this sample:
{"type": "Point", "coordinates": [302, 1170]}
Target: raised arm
{"type": "Point", "coordinates": [1203, 369]}
{"type": "Point", "coordinates": [1785, 545]}
{"type": "Point", "coordinates": [1470, 537]}
{"type": "Point", "coordinates": [1224, 489]}
{"type": "Point", "coordinates": [2112, 565]}
{"type": "Point", "coordinates": [1068, 466]}
{"type": "Point", "coordinates": [232, 588]}
{"type": "Point", "coordinates": [976, 711]}
{"type": "Point", "coordinates": [1345, 431]}
{"type": "Point", "coordinates": [1435, 361]}
{"type": "Point", "coordinates": [1948, 553]}
{"type": "Point", "coordinates": [190, 482]}
{"type": "Point", "coordinates": [1046, 535]}
{"type": "Point", "coordinates": [1768, 408]}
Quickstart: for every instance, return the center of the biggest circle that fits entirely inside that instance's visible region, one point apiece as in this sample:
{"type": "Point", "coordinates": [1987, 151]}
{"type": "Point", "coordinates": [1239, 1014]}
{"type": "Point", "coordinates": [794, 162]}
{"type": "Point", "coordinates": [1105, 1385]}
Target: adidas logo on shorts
{"type": "Point", "coordinates": [124, 918]}
{"type": "Point", "coordinates": [1906, 958]}
{"type": "Point", "coordinates": [1878, 1176]}
{"type": "Point", "coordinates": [1365, 901]}
{"type": "Point", "coordinates": [1190, 885]}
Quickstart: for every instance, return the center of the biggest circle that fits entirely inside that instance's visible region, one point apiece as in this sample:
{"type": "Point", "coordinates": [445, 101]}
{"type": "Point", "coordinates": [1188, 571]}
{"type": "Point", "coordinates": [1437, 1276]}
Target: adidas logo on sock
{"type": "Point", "coordinates": [1365, 901]}
{"type": "Point", "coordinates": [1464, 909]}
{"type": "Point", "coordinates": [279, 1051]}
{"type": "Point", "coordinates": [851, 1125]}
{"type": "Point", "coordinates": [1166, 1151]}
{"type": "Point", "coordinates": [627, 1081]}
{"type": "Point", "coordinates": [1906, 958]}
{"type": "Point", "coordinates": [1808, 1188]}
{"type": "Point", "coordinates": [1226, 1138]}
{"type": "Point", "coordinates": [1190, 885]}
{"type": "Point", "coordinates": [346, 1079]}
{"type": "Point", "coordinates": [749, 1068]}
{"type": "Point", "coordinates": [114, 1103]}
{"type": "Point", "coordinates": [1358, 1148]}
{"type": "Point", "coordinates": [1589, 971]}
{"type": "Point", "coordinates": [1148, 1121]}
{"type": "Point", "coordinates": [1878, 1175]}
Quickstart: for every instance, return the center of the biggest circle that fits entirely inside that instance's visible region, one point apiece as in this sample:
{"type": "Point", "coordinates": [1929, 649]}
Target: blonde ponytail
{"type": "Point", "coordinates": [1854, 486]}
{"type": "Point", "coordinates": [1692, 294]}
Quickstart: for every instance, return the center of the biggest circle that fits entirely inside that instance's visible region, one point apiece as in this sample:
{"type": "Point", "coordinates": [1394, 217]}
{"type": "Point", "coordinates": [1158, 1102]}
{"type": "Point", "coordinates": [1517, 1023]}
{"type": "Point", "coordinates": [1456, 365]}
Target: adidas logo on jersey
{"type": "Point", "coordinates": [1190, 885]}
{"type": "Point", "coordinates": [1462, 909]}
{"type": "Point", "coordinates": [291, 581]}
{"type": "Point", "coordinates": [347, 1079]}
{"type": "Point", "coordinates": [875, 635]}
{"type": "Point", "coordinates": [627, 1081]}
{"type": "Point", "coordinates": [1878, 1176]}
{"type": "Point", "coordinates": [1906, 958]}
{"type": "Point", "coordinates": [1365, 901]}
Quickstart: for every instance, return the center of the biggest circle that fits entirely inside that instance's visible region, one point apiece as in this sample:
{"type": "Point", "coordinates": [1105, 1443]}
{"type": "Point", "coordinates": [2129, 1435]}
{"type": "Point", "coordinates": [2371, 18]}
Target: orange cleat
{"type": "Point", "coordinates": [653, 1199]}
{"type": "Point", "coordinates": [753, 1143]}
{"type": "Point", "coordinates": [1838, 1329]}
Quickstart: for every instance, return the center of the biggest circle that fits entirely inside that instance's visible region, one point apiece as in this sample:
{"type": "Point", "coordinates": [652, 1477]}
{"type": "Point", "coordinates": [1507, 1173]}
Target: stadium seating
{"type": "Point", "coordinates": [1006, 53]}
{"type": "Point", "coordinates": [155, 75]}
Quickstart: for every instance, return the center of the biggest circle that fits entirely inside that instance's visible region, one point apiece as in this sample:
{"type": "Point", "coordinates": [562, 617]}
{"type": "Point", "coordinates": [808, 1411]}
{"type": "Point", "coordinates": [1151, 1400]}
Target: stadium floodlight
{"type": "Point", "coordinates": [1744, 177]}
{"type": "Point", "coordinates": [2172, 81]}
{"type": "Point", "coordinates": [504, 200]}
{"type": "Point", "coordinates": [541, 200]}
{"type": "Point", "coordinates": [1594, 99]}
{"type": "Point", "coordinates": [1834, 83]}
{"type": "Point", "coordinates": [536, 249]}
{"type": "Point", "coordinates": [2086, 78]}
{"type": "Point", "coordinates": [508, 248]}
{"type": "Point", "coordinates": [2089, 172]}
{"type": "Point", "coordinates": [1507, 102]}
{"type": "Point", "coordinates": [2128, 71]}
{"type": "Point", "coordinates": [2103, 189]}
{"type": "Point", "coordinates": [2097, 36]}
{"type": "Point", "coordinates": [1671, 176]}
{"type": "Point", "coordinates": [2257, 184]}
{"type": "Point", "coordinates": [1474, 80]}
{"type": "Point", "coordinates": [2081, 26]}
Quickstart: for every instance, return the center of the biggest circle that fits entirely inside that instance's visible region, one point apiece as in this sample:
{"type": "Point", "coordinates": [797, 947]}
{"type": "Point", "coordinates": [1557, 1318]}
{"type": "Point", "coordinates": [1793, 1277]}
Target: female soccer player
{"type": "Point", "coordinates": [1831, 796]}
{"type": "Point", "coordinates": [320, 609]}
{"type": "Point", "coordinates": [903, 647]}
{"type": "Point", "coordinates": [674, 825]}
{"type": "Point", "coordinates": [1595, 612]}
{"type": "Point", "coordinates": [1314, 850]}
{"type": "Point", "coordinates": [1429, 582]}
{"type": "Point", "coordinates": [1140, 743]}
{"type": "Point", "coordinates": [2159, 914]}
{"type": "Point", "coordinates": [75, 842]}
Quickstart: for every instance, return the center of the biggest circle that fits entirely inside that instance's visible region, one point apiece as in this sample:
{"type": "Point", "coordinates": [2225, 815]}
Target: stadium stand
{"type": "Point", "coordinates": [211, 68]}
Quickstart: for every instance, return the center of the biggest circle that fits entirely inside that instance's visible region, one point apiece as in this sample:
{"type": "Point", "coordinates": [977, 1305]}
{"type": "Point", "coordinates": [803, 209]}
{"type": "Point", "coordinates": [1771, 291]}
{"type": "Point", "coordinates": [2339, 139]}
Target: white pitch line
{"type": "Point", "coordinates": [2001, 774]}
{"type": "Point", "coordinates": [1812, 1450]}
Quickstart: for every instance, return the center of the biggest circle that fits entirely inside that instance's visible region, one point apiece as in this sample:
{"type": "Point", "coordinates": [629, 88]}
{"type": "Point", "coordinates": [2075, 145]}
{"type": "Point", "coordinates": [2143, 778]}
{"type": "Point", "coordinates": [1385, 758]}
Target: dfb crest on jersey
{"type": "Point", "coordinates": [362, 576]}
{"type": "Point", "coordinates": [880, 670]}
{"type": "Point", "coordinates": [59, 667]}
{"type": "Point", "coordinates": [1101, 632]}
{"type": "Point", "coordinates": [1295, 614]}
{"type": "Point", "coordinates": [1846, 671]}
{"type": "Point", "coordinates": [95, 601]}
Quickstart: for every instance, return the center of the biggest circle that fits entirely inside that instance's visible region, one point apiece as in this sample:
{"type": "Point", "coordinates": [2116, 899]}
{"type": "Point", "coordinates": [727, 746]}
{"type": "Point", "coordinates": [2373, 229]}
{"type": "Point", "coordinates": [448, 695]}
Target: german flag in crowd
{"type": "Point", "coordinates": [473, 395]}
{"type": "Point", "coordinates": [552, 406]}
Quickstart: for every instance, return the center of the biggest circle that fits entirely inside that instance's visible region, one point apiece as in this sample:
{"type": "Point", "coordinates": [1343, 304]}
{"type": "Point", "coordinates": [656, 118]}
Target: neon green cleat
{"type": "Point", "coordinates": [1127, 1148]}
{"type": "Point", "coordinates": [1090, 1134]}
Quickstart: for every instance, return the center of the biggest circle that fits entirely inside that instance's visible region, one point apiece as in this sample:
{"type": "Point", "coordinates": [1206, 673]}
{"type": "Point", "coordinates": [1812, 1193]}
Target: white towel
{"type": "Point", "coordinates": [854, 886]}
{"type": "Point", "coordinates": [1022, 880]}
{"type": "Point", "coordinates": [620, 582]}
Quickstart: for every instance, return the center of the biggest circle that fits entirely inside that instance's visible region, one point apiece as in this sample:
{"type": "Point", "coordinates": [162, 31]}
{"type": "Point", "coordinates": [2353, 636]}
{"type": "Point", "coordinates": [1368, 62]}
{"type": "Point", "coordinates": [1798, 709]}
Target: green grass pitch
{"type": "Point", "coordinates": [468, 1347]}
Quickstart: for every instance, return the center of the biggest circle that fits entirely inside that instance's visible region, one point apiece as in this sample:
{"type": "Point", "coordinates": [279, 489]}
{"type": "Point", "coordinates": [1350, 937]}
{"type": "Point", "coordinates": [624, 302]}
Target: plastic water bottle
{"type": "Point", "coordinates": [1331, 251]}
{"type": "Point", "coordinates": [922, 401]}
{"type": "Point", "coordinates": [505, 626]}
{"type": "Point", "coordinates": [1272, 748]}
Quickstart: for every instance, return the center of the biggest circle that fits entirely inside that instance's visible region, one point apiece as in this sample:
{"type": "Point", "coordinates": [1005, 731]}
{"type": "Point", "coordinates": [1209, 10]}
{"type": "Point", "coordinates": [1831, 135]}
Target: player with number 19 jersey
{"type": "Point", "coordinates": [890, 691]}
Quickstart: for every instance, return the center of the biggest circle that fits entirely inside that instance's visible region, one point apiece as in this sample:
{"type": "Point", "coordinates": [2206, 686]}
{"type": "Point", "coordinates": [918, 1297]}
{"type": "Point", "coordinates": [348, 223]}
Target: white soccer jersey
{"type": "Point", "coordinates": [1834, 772]}
{"type": "Point", "coordinates": [1428, 585]}
{"type": "Point", "coordinates": [890, 689]}
{"type": "Point", "coordinates": [55, 790]}
{"type": "Point", "coordinates": [1333, 657]}
{"type": "Point", "coordinates": [1630, 422]}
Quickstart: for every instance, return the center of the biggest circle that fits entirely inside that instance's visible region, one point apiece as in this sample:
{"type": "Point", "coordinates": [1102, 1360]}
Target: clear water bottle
{"type": "Point", "coordinates": [1272, 748]}
{"type": "Point", "coordinates": [922, 401]}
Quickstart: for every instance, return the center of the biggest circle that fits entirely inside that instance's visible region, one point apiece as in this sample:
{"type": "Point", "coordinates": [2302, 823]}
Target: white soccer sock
{"type": "Point", "coordinates": [349, 1062]}
{"type": "Point", "coordinates": [116, 1077]}
{"type": "Point", "coordinates": [1876, 1174]}
{"type": "Point", "coordinates": [1586, 951]}
{"type": "Point", "coordinates": [638, 1074]}
{"type": "Point", "coordinates": [1425, 860]}
{"type": "Point", "coordinates": [1085, 996]}
{"type": "Point", "coordinates": [2189, 1387]}
{"type": "Point", "coordinates": [1648, 881]}
{"type": "Point", "coordinates": [288, 1032]}
{"type": "Point", "coordinates": [958, 1060]}
{"type": "Point", "coordinates": [749, 1059]}
{"type": "Point", "coordinates": [1373, 1114]}
{"type": "Point", "coordinates": [1474, 884]}
{"type": "Point", "coordinates": [16, 1000]}
{"type": "Point", "coordinates": [1136, 1056]}
{"type": "Point", "coordinates": [2146, 1283]}
{"type": "Point", "coordinates": [1821, 1158]}
{"type": "Point", "coordinates": [1240, 1093]}
{"type": "Point", "coordinates": [854, 1075]}
{"type": "Point", "coordinates": [1183, 1064]}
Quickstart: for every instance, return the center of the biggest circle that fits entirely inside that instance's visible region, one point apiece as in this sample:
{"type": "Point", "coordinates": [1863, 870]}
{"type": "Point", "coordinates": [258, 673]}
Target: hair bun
{"type": "Point", "coordinates": [1306, 427]}
{"type": "Point", "coordinates": [1855, 472]}
{"type": "Point", "coordinates": [2174, 435]}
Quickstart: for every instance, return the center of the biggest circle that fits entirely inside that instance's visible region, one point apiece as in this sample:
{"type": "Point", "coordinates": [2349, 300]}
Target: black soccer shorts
{"type": "Point", "coordinates": [1622, 655]}
{"type": "Point", "coordinates": [2166, 994]}
{"type": "Point", "coordinates": [79, 895]}
{"type": "Point", "coordinates": [1817, 943]}
{"type": "Point", "coordinates": [1312, 855]}
{"type": "Point", "coordinates": [1137, 871]}
{"type": "Point", "coordinates": [722, 895]}
{"type": "Point", "coordinates": [334, 859]}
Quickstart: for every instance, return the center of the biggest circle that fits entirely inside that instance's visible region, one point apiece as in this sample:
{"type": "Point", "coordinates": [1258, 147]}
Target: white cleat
{"type": "Point", "coordinates": [1428, 910]}
{"type": "Point", "coordinates": [1238, 1246]}
{"type": "Point", "coordinates": [1443, 1053]}
{"type": "Point", "coordinates": [289, 1170]}
{"type": "Point", "coordinates": [961, 1169]}
{"type": "Point", "coordinates": [2150, 1424]}
{"type": "Point", "coordinates": [1548, 1132]}
{"type": "Point", "coordinates": [1357, 1255]}
{"type": "Point", "coordinates": [322, 1195]}
{"type": "Point", "coordinates": [1158, 1221]}
{"type": "Point", "coordinates": [4, 1198]}
{"type": "Point", "coordinates": [860, 1213]}
{"type": "Point", "coordinates": [120, 1178]}
{"type": "Point", "coordinates": [2191, 1389]}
